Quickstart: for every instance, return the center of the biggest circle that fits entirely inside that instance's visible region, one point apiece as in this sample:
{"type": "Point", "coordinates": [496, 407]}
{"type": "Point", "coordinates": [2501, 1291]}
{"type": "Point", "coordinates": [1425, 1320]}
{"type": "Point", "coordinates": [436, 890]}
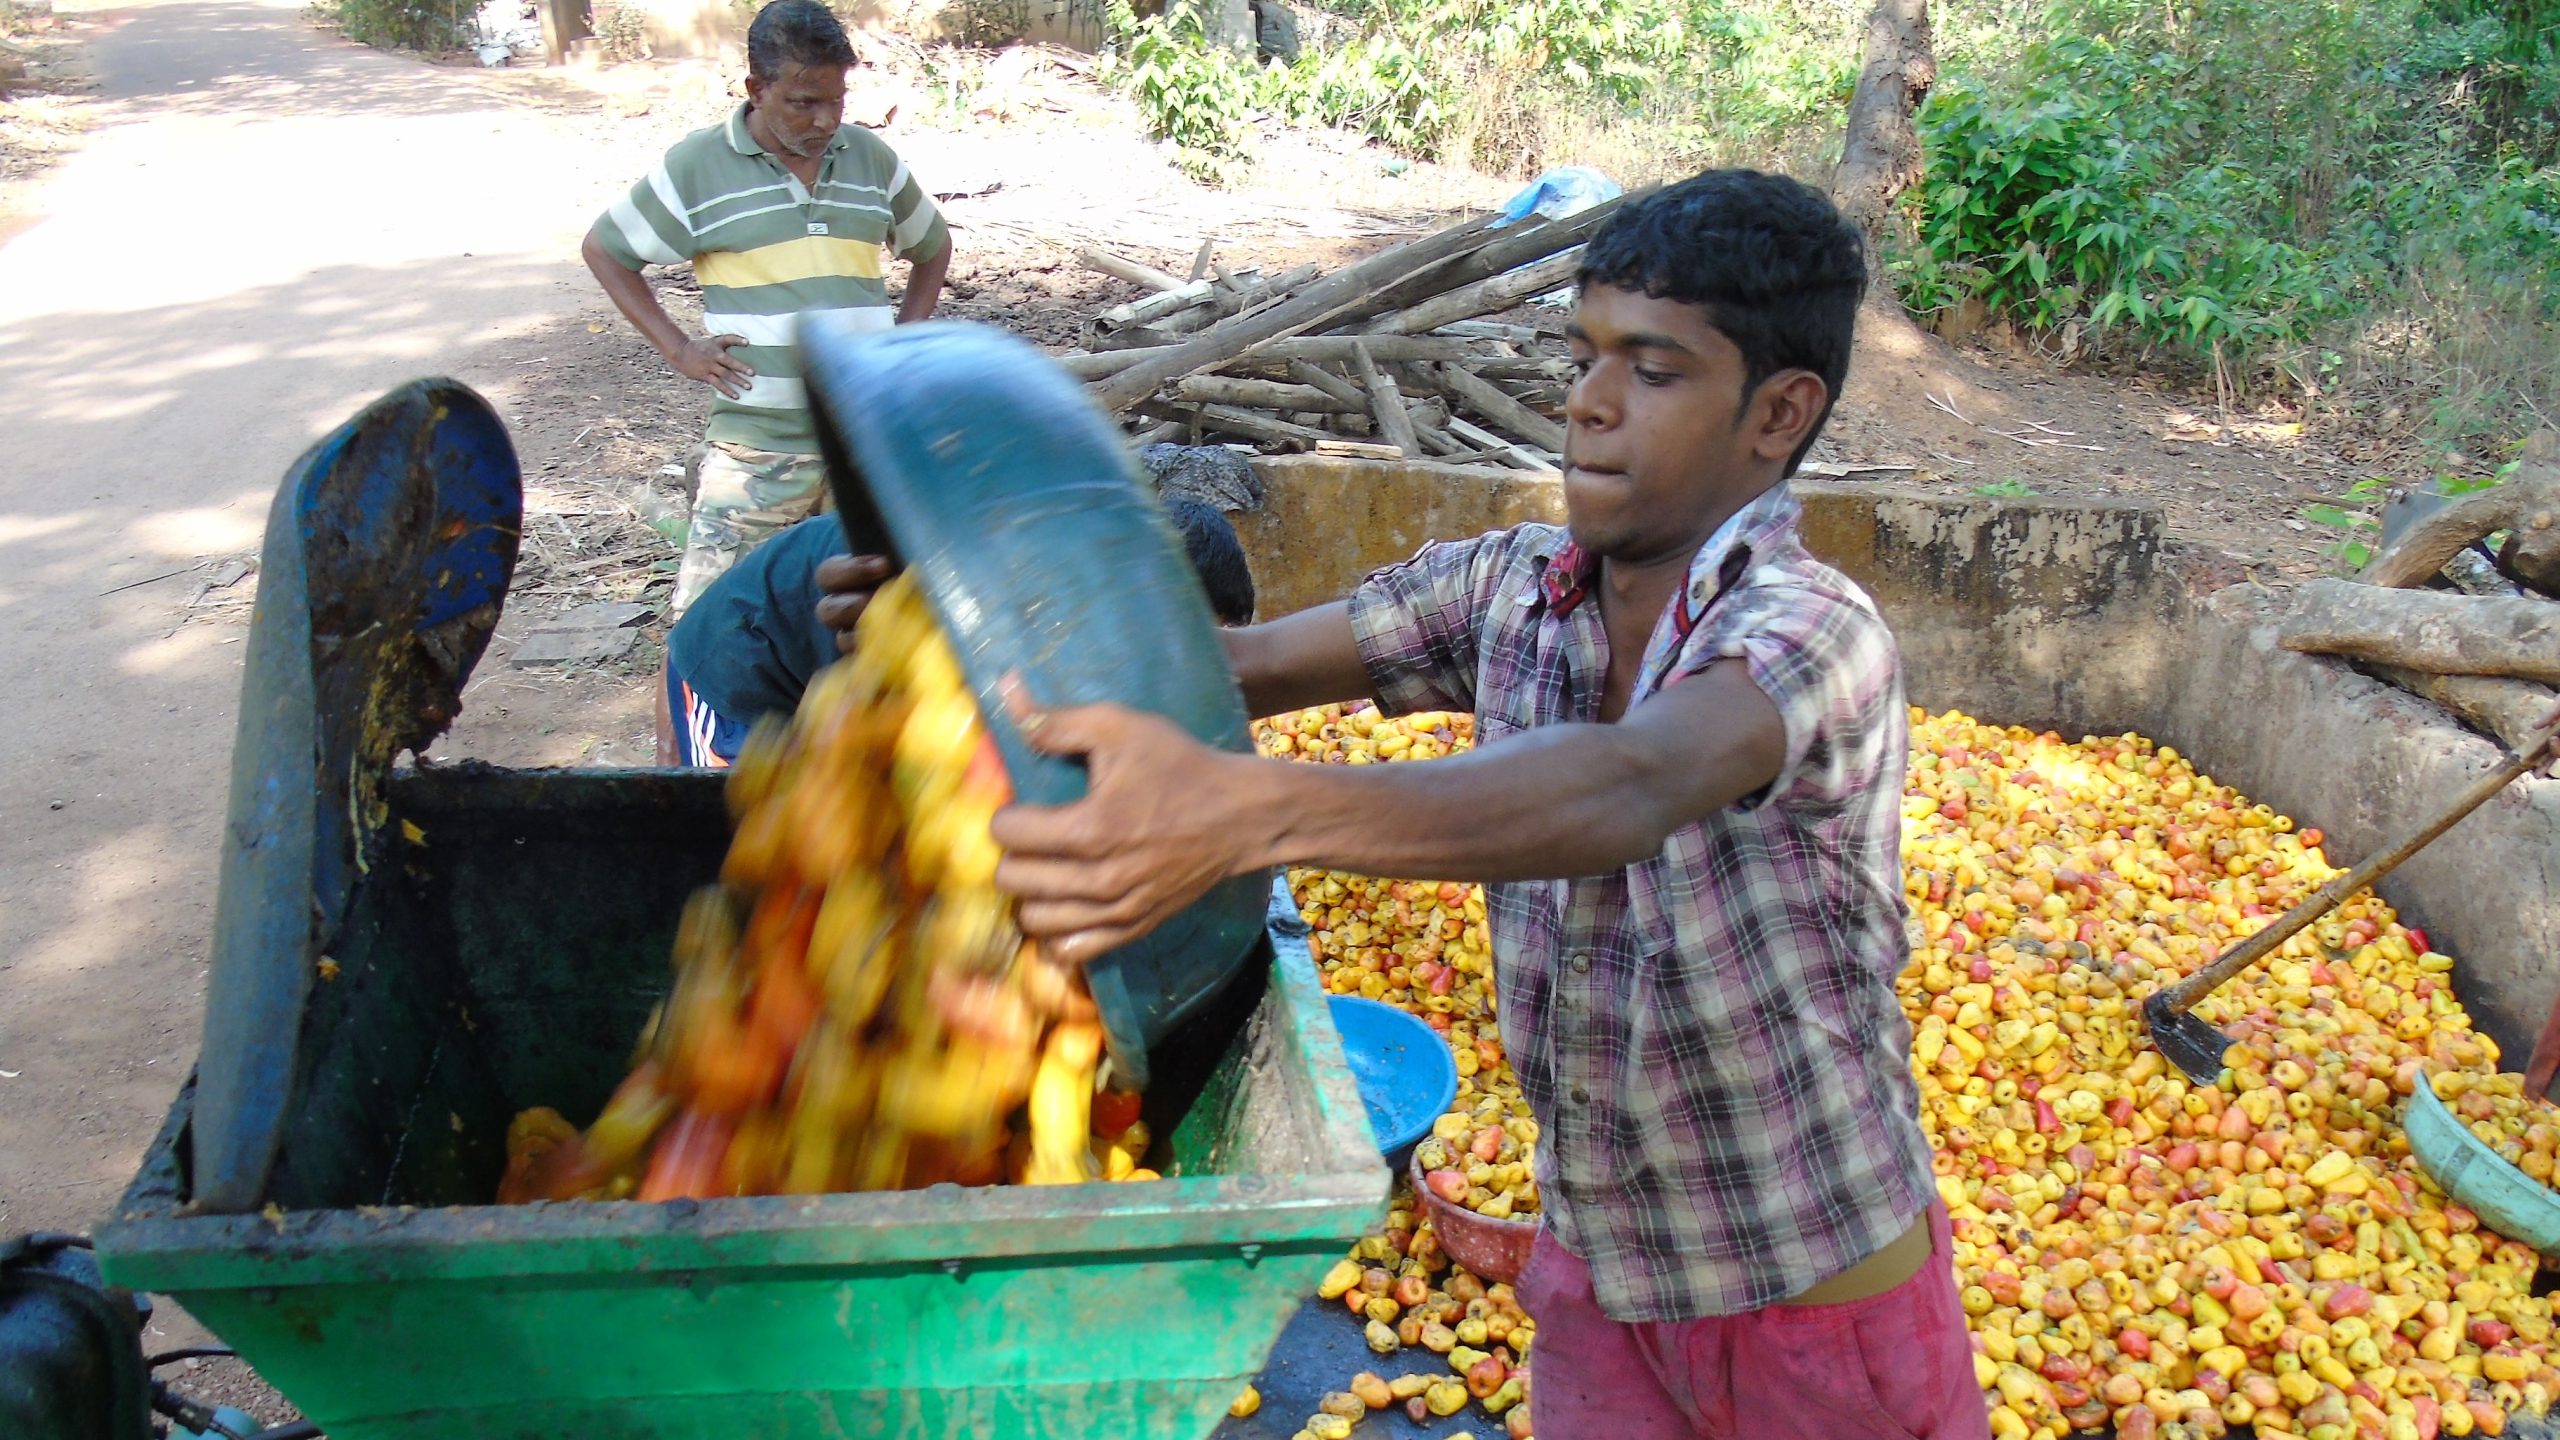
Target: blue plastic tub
{"type": "Point", "coordinates": [2506, 1199]}
{"type": "Point", "coordinates": [1407, 1076]}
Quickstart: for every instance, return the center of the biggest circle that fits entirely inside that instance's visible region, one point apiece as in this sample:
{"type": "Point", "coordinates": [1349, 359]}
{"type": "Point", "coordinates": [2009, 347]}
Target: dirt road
{"type": "Point", "coordinates": [267, 228]}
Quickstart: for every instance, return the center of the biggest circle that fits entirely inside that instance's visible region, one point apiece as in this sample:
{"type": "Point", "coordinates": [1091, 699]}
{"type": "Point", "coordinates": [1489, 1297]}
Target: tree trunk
{"type": "Point", "coordinates": [2429, 630]}
{"type": "Point", "coordinates": [1881, 156]}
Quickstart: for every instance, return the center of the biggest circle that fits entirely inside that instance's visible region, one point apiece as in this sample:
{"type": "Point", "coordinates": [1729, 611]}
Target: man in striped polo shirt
{"type": "Point", "coordinates": [783, 210]}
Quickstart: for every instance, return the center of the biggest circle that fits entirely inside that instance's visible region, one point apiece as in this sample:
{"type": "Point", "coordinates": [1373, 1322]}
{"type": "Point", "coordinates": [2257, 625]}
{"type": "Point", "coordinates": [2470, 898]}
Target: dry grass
{"type": "Point", "coordinates": [1515, 126]}
{"type": "Point", "coordinates": [41, 108]}
{"type": "Point", "coordinates": [2463, 359]}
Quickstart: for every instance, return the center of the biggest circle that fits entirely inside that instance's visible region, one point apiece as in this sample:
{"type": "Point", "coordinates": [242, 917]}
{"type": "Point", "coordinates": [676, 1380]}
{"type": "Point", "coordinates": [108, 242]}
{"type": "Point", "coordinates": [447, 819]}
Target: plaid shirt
{"type": "Point", "coordinates": [1710, 1038]}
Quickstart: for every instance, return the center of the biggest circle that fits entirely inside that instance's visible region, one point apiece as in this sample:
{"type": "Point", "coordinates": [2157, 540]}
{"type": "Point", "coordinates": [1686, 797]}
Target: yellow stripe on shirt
{"type": "Point", "coordinates": [806, 258]}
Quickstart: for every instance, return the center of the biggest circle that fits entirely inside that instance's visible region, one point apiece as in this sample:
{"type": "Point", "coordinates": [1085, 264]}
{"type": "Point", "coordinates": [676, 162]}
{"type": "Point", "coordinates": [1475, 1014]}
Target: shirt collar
{"type": "Point", "coordinates": [1571, 570]}
{"type": "Point", "coordinates": [743, 140]}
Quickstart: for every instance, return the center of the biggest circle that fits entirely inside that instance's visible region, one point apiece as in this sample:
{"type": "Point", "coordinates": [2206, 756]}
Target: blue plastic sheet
{"type": "Point", "coordinates": [1565, 190]}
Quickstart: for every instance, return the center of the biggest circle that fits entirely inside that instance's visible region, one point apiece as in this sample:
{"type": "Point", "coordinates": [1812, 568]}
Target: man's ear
{"type": "Point", "coordinates": [1784, 410]}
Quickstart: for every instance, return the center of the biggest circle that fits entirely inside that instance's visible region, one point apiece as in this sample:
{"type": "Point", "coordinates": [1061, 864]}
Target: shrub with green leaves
{"type": "Point", "coordinates": [429, 25]}
{"type": "Point", "coordinates": [2249, 182]}
{"type": "Point", "coordinates": [1189, 92]}
{"type": "Point", "coordinates": [1376, 86]}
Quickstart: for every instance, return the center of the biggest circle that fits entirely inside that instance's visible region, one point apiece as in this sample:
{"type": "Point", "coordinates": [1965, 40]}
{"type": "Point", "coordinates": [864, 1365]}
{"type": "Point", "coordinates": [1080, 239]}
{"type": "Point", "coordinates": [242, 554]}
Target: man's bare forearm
{"type": "Point", "coordinates": [1551, 803]}
{"type": "Point", "coordinates": [924, 287]}
{"type": "Point", "coordinates": [1309, 658]}
{"type": "Point", "coordinates": [632, 295]}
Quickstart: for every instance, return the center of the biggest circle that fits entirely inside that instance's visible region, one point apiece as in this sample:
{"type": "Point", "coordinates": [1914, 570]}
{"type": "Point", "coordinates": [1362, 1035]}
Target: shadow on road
{"type": "Point", "coordinates": [245, 60]}
{"type": "Point", "coordinates": [141, 444]}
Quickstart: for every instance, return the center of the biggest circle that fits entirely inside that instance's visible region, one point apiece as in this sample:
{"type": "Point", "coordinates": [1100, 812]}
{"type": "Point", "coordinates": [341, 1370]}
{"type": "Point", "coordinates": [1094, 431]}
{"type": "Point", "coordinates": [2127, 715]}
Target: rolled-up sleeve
{"type": "Point", "coordinates": [1420, 624]}
{"type": "Point", "coordinates": [1828, 663]}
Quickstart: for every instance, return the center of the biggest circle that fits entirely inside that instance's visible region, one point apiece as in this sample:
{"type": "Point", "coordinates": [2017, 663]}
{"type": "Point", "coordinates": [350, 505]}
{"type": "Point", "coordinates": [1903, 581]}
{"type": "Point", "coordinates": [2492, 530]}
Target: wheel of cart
{"type": "Point", "coordinates": [407, 957]}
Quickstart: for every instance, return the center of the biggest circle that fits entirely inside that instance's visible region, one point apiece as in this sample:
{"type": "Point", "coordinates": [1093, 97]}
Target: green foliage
{"type": "Point", "coordinates": [2340, 200]}
{"type": "Point", "coordinates": [1376, 86]}
{"type": "Point", "coordinates": [2066, 203]}
{"type": "Point", "coordinates": [1486, 79]}
{"type": "Point", "coordinates": [1189, 92]}
{"type": "Point", "coordinates": [429, 25]}
{"type": "Point", "coordinates": [2012, 488]}
{"type": "Point", "coordinates": [2239, 181]}
{"type": "Point", "coordinates": [1613, 49]}
{"type": "Point", "coordinates": [2359, 526]}
{"type": "Point", "coordinates": [624, 34]}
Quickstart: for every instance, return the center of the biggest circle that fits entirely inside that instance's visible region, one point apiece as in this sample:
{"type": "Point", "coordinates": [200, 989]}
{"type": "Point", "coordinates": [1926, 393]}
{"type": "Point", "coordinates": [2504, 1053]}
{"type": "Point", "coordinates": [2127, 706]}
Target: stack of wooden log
{"type": "Point", "coordinates": [1390, 357]}
{"type": "Point", "coordinates": [2460, 607]}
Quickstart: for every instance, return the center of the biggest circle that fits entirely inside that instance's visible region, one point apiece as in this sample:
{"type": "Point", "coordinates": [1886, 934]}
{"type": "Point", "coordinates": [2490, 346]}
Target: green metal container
{"type": "Point", "coordinates": [505, 955]}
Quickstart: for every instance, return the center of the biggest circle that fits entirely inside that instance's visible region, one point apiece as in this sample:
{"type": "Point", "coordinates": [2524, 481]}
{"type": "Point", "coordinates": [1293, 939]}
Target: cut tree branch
{"type": "Point", "coordinates": [1483, 398]}
{"type": "Point", "coordinates": [2528, 504]}
{"type": "Point", "coordinates": [1263, 395]}
{"type": "Point", "coordinates": [1307, 373]}
{"type": "Point", "coordinates": [2429, 630]}
{"type": "Point", "coordinates": [1387, 403]}
{"type": "Point", "coordinates": [1104, 262]}
{"type": "Point", "coordinates": [2512, 710]}
{"type": "Point", "coordinates": [1319, 304]}
{"type": "Point", "coordinates": [1321, 349]}
{"type": "Point", "coordinates": [1520, 245]}
{"type": "Point", "coordinates": [1485, 297]}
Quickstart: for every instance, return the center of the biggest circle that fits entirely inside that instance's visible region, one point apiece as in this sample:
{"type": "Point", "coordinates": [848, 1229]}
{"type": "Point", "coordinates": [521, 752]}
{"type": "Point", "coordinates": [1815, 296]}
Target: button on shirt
{"type": "Point", "coordinates": [1709, 1037]}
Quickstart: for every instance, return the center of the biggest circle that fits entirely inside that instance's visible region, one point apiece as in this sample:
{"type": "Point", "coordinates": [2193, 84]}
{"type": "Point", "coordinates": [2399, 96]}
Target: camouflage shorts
{"type": "Point", "coordinates": [745, 498]}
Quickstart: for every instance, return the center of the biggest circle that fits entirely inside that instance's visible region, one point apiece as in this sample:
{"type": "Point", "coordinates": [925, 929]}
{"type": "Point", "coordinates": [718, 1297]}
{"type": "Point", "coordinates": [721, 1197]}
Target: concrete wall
{"type": "Point", "coordinates": [2081, 617]}
{"type": "Point", "coordinates": [1326, 523]}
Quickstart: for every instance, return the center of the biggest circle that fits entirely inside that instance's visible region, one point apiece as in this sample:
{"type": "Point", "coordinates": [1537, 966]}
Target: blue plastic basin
{"type": "Point", "coordinates": [2505, 1198]}
{"type": "Point", "coordinates": [1406, 1074]}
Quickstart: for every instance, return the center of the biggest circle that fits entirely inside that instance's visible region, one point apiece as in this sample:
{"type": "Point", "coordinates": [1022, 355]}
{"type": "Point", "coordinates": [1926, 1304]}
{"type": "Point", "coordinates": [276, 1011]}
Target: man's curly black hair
{"type": "Point", "coordinates": [1769, 259]}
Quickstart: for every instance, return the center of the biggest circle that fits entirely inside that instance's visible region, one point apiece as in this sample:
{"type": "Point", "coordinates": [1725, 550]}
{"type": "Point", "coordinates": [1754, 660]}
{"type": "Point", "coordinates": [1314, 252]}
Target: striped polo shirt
{"type": "Point", "coordinates": [769, 249]}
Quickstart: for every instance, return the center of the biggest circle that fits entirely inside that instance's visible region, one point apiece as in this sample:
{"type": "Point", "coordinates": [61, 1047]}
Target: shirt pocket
{"type": "Point", "coordinates": [1498, 716]}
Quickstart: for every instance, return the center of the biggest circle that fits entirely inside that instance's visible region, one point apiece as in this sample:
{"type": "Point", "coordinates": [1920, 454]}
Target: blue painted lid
{"type": "Point", "coordinates": [386, 559]}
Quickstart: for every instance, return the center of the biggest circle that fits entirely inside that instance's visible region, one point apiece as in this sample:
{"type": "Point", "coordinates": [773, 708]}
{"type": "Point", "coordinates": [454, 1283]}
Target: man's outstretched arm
{"type": "Point", "coordinates": [1300, 660]}
{"type": "Point", "coordinates": [1165, 818]}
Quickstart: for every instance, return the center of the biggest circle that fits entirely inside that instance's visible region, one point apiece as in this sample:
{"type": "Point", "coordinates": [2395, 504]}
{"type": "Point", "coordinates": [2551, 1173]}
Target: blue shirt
{"type": "Point", "coordinates": [751, 642]}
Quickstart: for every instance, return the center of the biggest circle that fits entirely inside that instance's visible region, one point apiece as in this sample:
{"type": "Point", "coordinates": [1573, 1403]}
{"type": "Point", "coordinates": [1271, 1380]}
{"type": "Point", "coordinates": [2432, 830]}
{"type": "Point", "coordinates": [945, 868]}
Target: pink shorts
{"type": "Point", "coordinates": [1895, 1366]}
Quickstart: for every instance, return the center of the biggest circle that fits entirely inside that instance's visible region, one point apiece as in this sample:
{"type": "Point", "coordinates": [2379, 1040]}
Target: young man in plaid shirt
{"type": "Point", "coordinates": [1686, 797]}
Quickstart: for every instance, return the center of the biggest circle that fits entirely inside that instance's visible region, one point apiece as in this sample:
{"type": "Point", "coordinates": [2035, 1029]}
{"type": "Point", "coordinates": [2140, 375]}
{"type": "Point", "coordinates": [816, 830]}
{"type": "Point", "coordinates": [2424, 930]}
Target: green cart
{"type": "Point", "coordinates": [464, 942]}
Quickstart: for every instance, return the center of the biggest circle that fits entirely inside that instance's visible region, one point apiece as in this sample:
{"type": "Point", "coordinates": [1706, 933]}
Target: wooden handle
{"type": "Point", "coordinates": [2183, 996]}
